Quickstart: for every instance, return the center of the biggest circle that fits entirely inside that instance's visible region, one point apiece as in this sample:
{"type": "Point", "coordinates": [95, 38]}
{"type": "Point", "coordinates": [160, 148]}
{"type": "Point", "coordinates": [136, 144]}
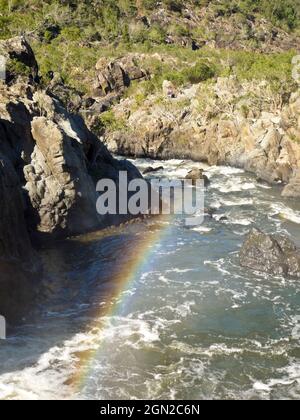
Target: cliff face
{"type": "Point", "coordinates": [247, 125]}
{"type": "Point", "coordinates": [14, 239]}
{"type": "Point", "coordinates": [49, 163]}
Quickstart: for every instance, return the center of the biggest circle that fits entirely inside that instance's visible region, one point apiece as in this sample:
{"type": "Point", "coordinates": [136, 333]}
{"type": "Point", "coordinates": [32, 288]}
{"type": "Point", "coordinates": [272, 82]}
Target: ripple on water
{"type": "Point", "coordinates": [192, 325]}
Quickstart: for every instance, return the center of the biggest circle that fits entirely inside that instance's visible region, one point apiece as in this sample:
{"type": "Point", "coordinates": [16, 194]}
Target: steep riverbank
{"type": "Point", "coordinates": [49, 165]}
{"type": "Point", "coordinates": [224, 122]}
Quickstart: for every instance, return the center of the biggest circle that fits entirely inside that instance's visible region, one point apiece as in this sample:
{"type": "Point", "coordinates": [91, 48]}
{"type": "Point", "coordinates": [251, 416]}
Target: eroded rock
{"type": "Point", "coordinates": [115, 76]}
{"type": "Point", "coordinates": [198, 174]}
{"type": "Point", "coordinates": [218, 127]}
{"type": "Point", "coordinates": [151, 169]}
{"type": "Point", "coordinates": [292, 190]}
{"type": "Point", "coordinates": [272, 254]}
{"type": "Point", "coordinates": [59, 187]}
{"type": "Point", "coordinates": [55, 159]}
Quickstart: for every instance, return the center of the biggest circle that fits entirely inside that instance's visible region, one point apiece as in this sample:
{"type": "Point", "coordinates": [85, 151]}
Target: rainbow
{"type": "Point", "coordinates": [137, 261]}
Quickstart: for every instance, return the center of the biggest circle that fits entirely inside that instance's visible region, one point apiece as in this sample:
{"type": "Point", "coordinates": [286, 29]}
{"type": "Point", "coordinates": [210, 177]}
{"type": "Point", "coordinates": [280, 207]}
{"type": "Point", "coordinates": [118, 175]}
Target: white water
{"type": "Point", "coordinates": [195, 324]}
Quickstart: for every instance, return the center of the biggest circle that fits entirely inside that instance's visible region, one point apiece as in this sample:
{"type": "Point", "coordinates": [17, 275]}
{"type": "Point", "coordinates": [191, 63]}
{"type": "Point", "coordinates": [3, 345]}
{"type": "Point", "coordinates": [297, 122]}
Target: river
{"type": "Point", "coordinates": [158, 310]}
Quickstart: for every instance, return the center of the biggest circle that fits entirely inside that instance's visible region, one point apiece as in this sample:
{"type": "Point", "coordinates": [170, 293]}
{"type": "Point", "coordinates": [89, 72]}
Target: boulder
{"type": "Point", "coordinates": [132, 68]}
{"type": "Point", "coordinates": [196, 174]}
{"type": "Point", "coordinates": [60, 190]}
{"type": "Point", "coordinates": [115, 76]}
{"type": "Point", "coordinates": [70, 97]}
{"type": "Point", "coordinates": [111, 77]}
{"type": "Point", "coordinates": [272, 254]}
{"type": "Point", "coordinates": [169, 90]}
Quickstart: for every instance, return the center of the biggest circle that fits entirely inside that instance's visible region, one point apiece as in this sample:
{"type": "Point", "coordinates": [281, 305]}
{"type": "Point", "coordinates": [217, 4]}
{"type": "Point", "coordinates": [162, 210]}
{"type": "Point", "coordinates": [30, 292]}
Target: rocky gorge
{"type": "Point", "coordinates": [113, 307]}
{"type": "Point", "coordinates": [49, 165]}
{"type": "Point", "coordinates": [50, 159]}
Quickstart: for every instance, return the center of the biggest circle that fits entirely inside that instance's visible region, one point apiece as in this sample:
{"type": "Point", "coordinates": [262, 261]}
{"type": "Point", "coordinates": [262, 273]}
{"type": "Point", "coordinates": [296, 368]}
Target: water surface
{"type": "Point", "coordinates": [156, 310]}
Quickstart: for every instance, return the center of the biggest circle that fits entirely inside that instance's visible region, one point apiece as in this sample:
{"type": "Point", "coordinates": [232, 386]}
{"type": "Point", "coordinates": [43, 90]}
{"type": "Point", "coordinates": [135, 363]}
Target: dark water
{"type": "Point", "coordinates": [186, 322]}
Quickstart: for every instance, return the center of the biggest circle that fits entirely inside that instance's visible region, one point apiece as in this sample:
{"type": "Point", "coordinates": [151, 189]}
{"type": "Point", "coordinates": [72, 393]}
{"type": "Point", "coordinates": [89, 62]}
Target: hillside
{"type": "Point", "coordinates": [109, 302]}
{"type": "Point", "coordinates": [155, 21]}
{"type": "Point", "coordinates": [68, 37]}
{"type": "Point", "coordinates": [172, 78]}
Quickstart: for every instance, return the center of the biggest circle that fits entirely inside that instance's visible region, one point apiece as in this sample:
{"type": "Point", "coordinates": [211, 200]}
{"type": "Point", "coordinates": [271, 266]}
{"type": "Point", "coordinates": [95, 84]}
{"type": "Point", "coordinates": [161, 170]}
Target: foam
{"type": "Point", "coordinates": [202, 229]}
{"type": "Point", "coordinates": [281, 210]}
{"type": "Point", "coordinates": [234, 185]}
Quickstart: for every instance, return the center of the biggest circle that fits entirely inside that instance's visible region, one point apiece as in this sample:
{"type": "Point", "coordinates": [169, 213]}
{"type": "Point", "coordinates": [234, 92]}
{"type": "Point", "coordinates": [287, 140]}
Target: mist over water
{"type": "Point", "coordinates": [192, 324]}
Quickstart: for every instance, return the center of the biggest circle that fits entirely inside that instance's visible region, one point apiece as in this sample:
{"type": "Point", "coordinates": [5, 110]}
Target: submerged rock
{"type": "Point", "coordinates": [273, 254]}
{"type": "Point", "coordinates": [150, 170]}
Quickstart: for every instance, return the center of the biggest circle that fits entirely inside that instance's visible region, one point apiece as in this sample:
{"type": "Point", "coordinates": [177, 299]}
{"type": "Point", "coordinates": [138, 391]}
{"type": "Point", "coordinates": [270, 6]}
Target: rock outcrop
{"type": "Point", "coordinates": [272, 254]}
{"type": "Point", "coordinates": [228, 123]}
{"type": "Point", "coordinates": [218, 24]}
{"type": "Point", "coordinates": [114, 76]}
{"type": "Point", "coordinates": [17, 50]}
{"type": "Point", "coordinates": [196, 174]}
{"type": "Point", "coordinates": [49, 165]}
{"type": "Point", "coordinates": [58, 184]}
{"type": "Point", "coordinates": [152, 170]}
{"type": "Point", "coordinates": [19, 265]}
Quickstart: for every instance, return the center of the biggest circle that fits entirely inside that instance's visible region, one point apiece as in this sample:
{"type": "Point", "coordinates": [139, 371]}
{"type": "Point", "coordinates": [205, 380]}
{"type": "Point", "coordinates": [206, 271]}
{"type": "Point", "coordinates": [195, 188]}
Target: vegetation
{"type": "Point", "coordinates": [107, 121]}
{"type": "Point", "coordinates": [17, 68]}
{"type": "Point", "coordinates": [205, 65]}
{"type": "Point", "coordinates": [109, 17]}
{"type": "Point", "coordinates": [285, 13]}
{"type": "Point", "coordinates": [69, 36]}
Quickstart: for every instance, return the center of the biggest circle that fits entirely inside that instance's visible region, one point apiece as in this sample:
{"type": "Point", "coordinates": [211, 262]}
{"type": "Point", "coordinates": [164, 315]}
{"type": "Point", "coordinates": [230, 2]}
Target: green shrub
{"type": "Point", "coordinates": [71, 33]}
{"type": "Point", "coordinates": [138, 33]}
{"type": "Point", "coordinates": [283, 11]}
{"type": "Point", "coordinates": [17, 68]}
{"type": "Point", "coordinates": [157, 35]}
{"type": "Point", "coordinates": [5, 23]}
{"type": "Point", "coordinates": [199, 73]}
{"type": "Point", "coordinates": [108, 121]}
{"type": "Point", "coordinates": [179, 30]}
{"type": "Point", "coordinates": [125, 34]}
{"type": "Point", "coordinates": [176, 77]}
